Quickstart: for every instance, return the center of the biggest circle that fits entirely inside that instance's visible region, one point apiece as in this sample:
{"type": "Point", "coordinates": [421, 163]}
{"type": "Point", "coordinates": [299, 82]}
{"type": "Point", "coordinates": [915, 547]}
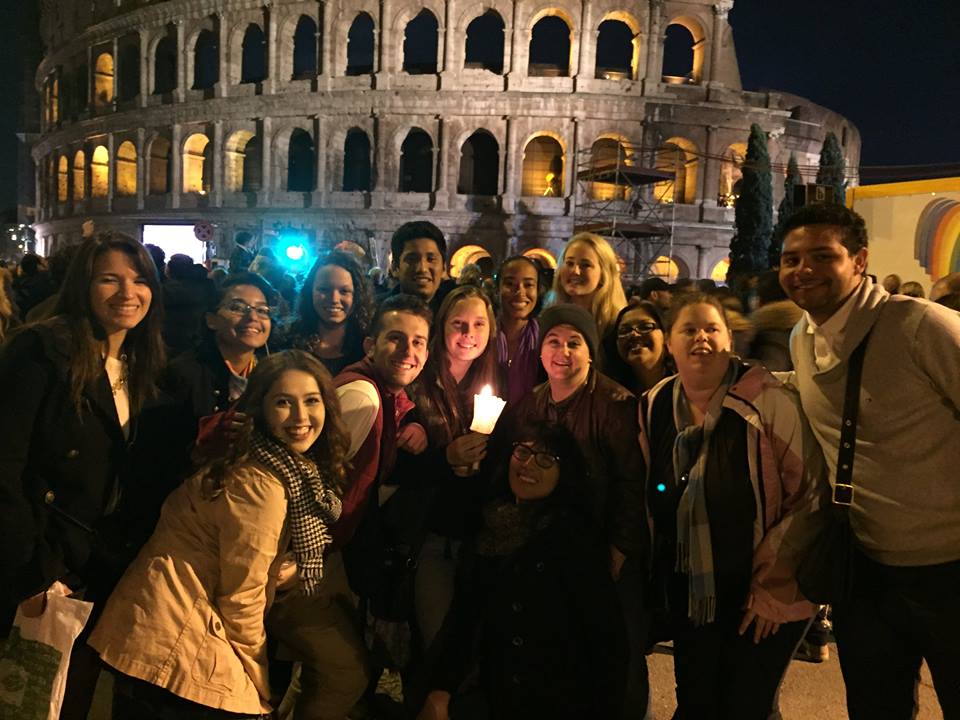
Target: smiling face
{"type": "Point", "coordinates": [120, 296]}
{"type": "Point", "coordinates": [420, 269]}
{"type": "Point", "coordinates": [399, 351]}
{"type": "Point", "coordinates": [580, 273]}
{"type": "Point", "coordinates": [518, 289]}
{"type": "Point", "coordinates": [817, 272]}
{"type": "Point", "coordinates": [565, 356]}
{"type": "Point", "coordinates": [242, 321]}
{"type": "Point", "coordinates": [529, 480]}
{"type": "Point", "coordinates": [333, 295]}
{"type": "Point", "coordinates": [699, 340]}
{"type": "Point", "coordinates": [640, 339]}
{"type": "Point", "coordinates": [293, 410]}
{"type": "Point", "coordinates": [466, 331]}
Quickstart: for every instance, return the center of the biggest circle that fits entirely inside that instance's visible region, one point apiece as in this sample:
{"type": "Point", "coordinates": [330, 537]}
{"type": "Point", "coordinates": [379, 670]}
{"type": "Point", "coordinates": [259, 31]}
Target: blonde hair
{"type": "Point", "coordinates": [609, 298]}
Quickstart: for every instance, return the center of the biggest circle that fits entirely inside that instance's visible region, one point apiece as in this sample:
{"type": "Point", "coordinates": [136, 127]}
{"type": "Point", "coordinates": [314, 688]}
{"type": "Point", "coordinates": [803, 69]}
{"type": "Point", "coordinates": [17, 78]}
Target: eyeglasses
{"type": "Point", "coordinates": [544, 459]}
{"type": "Point", "coordinates": [644, 328]}
{"type": "Point", "coordinates": [239, 307]}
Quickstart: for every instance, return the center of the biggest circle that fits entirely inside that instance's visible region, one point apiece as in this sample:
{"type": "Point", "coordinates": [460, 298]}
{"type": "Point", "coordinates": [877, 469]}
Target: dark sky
{"type": "Point", "coordinates": [891, 66]}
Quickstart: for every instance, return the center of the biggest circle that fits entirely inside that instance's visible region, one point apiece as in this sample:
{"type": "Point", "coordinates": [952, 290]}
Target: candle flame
{"type": "Point", "coordinates": [486, 391]}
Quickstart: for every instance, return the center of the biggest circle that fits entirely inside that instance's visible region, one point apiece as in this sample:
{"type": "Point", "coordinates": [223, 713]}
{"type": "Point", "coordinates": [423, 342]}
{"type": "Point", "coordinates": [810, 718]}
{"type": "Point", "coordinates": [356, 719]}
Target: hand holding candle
{"type": "Point", "coordinates": [486, 410]}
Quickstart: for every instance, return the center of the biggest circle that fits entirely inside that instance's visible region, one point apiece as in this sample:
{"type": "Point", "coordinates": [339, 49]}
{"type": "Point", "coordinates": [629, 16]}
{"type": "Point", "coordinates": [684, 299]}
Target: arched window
{"type": "Point", "coordinates": [63, 179]}
{"type": "Point", "coordinates": [356, 161]}
{"type": "Point", "coordinates": [420, 39]}
{"type": "Point", "coordinates": [416, 162]}
{"type": "Point", "coordinates": [466, 255]}
{"type": "Point", "coordinates": [305, 49]}
{"type": "Point", "coordinates": [550, 48]}
{"type": "Point", "coordinates": [678, 157]}
{"type": "Point", "coordinates": [615, 51]}
{"type": "Point", "coordinates": [683, 51]}
{"type": "Point", "coordinates": [719, 271]}
{"type": "Point", "coordinates": [668, 268]}
{"type": "Point", "coordinates": [160, 167]}
{"type": "Point", "coordinates": [196, 176]}
{"type": "Point", "coordinates": [99, 172]}
{"type": "Point", "coordinates": [731, 173]}
{"type": "Point", "coordinates": [609, 154]}
{"type": "Point", "coordinates": [484, 45]}
{"type": "Point", "coordinates": [128, 69]}
{"type": "Point", "coordinates": [165, 65]}
{"type": "Point", "coordinates": [253, 63]}
{"type": "Point", "coordinates": [126, 169]}
{"type": "Point", "coordinates": [479, 165]}
{"type": "Point", "coordinates": [103, 81]}
{"type": "Point", "coordinates": [542, 167]}
{"type": "Point", "coordinates": [300, 162]}
{"type": "Point", "coordinates": [253, 166]}
{"type": "Point", "coordinates": [79, 175]}
{"type": "Point", "coordinates": [242, 168]}
{"type": "Point", "coordinates": [81, 88]}
{"type": "Point", "coordinates": [206, 60]}
{"type": "Point", "coordinates": [360, 46]}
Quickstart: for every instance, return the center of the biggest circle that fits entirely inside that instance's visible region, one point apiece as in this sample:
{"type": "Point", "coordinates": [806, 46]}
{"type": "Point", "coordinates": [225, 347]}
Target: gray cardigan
{"type": "Point", "coordinates": [906, 508]}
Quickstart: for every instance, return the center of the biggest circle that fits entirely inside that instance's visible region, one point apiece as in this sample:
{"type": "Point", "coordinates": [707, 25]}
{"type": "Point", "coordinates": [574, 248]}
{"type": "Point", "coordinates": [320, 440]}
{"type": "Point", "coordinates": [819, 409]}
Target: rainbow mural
{"type": "Point", "coordinates": [936, 245]}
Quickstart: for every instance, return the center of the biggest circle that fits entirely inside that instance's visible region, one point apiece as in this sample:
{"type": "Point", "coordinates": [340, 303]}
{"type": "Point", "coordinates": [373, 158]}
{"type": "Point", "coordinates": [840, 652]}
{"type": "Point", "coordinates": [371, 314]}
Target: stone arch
{"type": "Point", "coordinates": [79, 175]}
{"type": "Point", "coordinates": [196, 164]}
{"type": "Point", "coordinates": [356, 161]}
{"type": "Point", "coordinates": [306, 49]}
{"type": "Point", "coordinates": [103, 78]}
{"type": "Point", "coordinates": [731, 174]}
{"type": "Point", "coordinates": [718, 273]}
{"type": "Point", "coordinates": [618, 47]}
{"type": "Point", "coordinates": [126, 171]}
{"type": "Point", "coordinates": [479, 164]}
{"type": "Point", "coordinates": [160, 166]}
{"type": "Point", "coordinates": [465, 256]}
{"type": "Point", "coordinates": [543, 257]}
{"type": "Point", "coordinates": [165, 62]}
{"type": "Point", "coordinates": [421, 43]}
{"type": "Point", "coordinates": [99, 172]}
{"type": "Point", "coordinates": [550, 48]}
{"type": "Point", "coordinates": [684, 50]}
{"type": "Point", "coordinates": [416, 162]}
{"type": "Point", "coordinates": [241, 164]}
{"type": "Point", "coordinates": [206, 59]}
{"type": "Point", "coordinates": [63, 179]}
{"type": "Point", "coordinates": [484, 43]}
{"type": "Point", "coordinates": [253, 55]}
{"type": "Point", "coordinates": [301, 161]}
{"type": "Point", "coordinates": [680, 157]}
{"type": "Point", "coordinates": [128, 67]}
{"type": "Point", "coordinates": [610, 151]}
{"type": "Point", "coordinates": [544, 166]}
{"type": "Point", "coordinates": [361, 45]}
{"type": "Point", "coordinates": [669, 267]}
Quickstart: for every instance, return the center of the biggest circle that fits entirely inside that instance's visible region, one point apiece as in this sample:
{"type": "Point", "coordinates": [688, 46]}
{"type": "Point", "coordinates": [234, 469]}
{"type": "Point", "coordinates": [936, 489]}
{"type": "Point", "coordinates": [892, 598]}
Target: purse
{"type": "Point", "coordinates": [825, 574]}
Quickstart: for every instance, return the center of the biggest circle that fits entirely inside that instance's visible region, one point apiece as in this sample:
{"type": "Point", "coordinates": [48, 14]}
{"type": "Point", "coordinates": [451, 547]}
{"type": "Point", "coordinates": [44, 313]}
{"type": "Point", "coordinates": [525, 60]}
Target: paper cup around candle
{"type": "Point", "coordinates": [486, 411]}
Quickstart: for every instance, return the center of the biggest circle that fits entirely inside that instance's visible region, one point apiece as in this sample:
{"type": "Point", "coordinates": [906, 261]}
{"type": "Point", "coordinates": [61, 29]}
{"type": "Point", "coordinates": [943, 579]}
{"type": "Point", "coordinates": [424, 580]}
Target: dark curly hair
{"type": "Point", "coordinates": [361, 314]}
{"type": "Point", "coordinates": [852, 226]}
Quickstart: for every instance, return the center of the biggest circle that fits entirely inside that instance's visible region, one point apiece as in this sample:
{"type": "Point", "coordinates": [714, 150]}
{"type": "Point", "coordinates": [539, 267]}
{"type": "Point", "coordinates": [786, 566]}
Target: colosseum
{"type": "Point", "coordinates": [508, 124]}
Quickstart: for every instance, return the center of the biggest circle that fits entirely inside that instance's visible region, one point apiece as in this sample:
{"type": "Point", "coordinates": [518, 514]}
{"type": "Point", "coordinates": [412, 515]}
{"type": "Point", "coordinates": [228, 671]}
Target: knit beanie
{"type": "Point", "coordinates": [575, 316]}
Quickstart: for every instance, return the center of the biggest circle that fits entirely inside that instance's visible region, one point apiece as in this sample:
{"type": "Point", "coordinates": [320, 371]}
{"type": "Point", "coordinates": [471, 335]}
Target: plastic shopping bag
{"type": "Point", "coordinates": [35, 657]}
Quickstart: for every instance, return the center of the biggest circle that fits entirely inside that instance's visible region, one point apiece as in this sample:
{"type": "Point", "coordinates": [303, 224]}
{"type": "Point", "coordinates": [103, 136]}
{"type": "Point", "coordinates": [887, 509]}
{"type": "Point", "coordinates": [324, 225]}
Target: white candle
{"type": "Point", "coordinates": [486, 410]}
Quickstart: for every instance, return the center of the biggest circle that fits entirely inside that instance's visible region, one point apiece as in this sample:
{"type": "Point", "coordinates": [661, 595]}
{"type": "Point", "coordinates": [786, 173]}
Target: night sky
{"type": "Point", "coordinates": [889, 66]}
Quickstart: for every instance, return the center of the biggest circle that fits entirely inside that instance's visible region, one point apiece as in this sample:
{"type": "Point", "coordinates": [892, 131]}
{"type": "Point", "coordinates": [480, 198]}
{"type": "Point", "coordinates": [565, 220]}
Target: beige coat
{"type": "Point", "coordinates": [188, 615]}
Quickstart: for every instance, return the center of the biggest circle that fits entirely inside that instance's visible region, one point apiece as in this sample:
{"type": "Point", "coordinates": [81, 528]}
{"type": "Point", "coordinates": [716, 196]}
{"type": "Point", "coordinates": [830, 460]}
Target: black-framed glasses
{"type": "Point", "coordinates": [643, 328]}
{"type": "Point", "coordinates": [241, 308]}
{"type": "Point", "coordinates": [544, 459]}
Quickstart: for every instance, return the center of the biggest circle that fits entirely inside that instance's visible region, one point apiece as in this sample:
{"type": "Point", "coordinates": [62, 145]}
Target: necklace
{"type": "Point", "coordinates": [121, 381]}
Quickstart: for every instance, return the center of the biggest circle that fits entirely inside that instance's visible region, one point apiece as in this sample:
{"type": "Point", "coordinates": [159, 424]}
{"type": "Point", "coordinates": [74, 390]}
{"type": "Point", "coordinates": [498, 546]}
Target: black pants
{"type": "Point", "coordinates": [135, 699]}
{"type": "Point", "coordinates": [897, 617]}
{"type": "Point", "coordinates": [722, 675]}
{"type": "Point", "coordinates": [630, 590]}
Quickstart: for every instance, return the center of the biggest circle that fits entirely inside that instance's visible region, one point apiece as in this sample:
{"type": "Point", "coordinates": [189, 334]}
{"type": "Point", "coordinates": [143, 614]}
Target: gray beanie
{"type": "Point", "coordinates": [574, 315]}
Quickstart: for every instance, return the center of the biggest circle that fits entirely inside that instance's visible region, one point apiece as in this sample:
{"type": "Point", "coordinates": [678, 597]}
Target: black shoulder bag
{"type": "Point", "coordinates": [825, 574]}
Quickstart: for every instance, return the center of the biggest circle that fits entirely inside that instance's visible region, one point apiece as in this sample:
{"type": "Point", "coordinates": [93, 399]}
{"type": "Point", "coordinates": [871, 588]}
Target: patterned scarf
{"type": "Point", "coordinates": [313, 506]}
{"type": "Point", "coordinates": [694, 546]}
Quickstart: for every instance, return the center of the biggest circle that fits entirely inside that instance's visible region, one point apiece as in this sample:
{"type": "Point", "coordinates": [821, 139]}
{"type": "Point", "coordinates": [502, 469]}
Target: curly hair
{"type": "Point", "coordinates": [329, 452]}
{"type": "Point", "coordinates": [853, 227]}
{"type": "Point", "coordinates": [361, 314]}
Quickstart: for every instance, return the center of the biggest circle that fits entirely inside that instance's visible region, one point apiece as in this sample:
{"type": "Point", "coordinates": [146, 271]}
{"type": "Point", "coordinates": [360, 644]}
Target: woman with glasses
{"type": "Point", "coordinates": [637, 352]}
{"type": "Point", "coordinates": [209, 378]}
{"type": "Point", "coordinates": [535, 629]}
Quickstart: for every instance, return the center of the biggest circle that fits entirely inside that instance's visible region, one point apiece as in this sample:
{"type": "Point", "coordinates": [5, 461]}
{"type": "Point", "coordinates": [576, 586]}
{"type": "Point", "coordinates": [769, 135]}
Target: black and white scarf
{"type": "Point", "coordinates": [312, 505]}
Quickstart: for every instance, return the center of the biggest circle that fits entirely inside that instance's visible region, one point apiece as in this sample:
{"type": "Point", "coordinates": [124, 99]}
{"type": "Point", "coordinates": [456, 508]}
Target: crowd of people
{"type": "Point", "coordinates": [273, 493]}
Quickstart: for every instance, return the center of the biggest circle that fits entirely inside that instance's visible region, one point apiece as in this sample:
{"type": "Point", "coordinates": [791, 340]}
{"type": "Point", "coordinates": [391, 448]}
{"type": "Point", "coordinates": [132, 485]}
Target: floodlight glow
{"type": "Point", "coordinates": [295, 252]}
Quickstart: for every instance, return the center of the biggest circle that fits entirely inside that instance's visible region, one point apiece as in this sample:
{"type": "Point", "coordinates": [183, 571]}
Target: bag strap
{"type": "Point", "coordinates": [843, 489]}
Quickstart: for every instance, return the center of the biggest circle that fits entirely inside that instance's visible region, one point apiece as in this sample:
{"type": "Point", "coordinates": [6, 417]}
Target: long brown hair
{"type": "Point", "coordinates": [436, 391]}
{"type": "Point", "coordinates": [329, 452]}
{"type": "Point", "coordinates": [143, 345]}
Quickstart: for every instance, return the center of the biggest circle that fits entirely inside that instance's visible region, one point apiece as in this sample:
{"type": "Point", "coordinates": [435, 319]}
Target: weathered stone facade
{"type": "Point", "coordinates": [258, 113]}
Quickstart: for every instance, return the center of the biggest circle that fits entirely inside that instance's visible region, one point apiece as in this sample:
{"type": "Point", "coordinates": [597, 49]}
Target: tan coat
{"type": "Point", "coordinates": [188, 615]}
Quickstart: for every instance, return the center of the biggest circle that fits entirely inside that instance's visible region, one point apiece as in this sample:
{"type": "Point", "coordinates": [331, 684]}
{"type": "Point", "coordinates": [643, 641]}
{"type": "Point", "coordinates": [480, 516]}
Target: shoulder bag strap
{"type": "Point", "coordinates": [843, 489]}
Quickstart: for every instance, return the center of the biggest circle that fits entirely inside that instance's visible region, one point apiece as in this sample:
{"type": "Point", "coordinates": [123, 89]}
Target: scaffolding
{"type": "Point", "coordinates": [620, 197]}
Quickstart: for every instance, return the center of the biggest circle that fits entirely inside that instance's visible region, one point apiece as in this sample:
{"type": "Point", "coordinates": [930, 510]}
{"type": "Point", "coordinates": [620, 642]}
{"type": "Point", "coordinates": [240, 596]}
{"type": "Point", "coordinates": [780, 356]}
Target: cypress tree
{"type": "Point", "coordinates": [786, 208]}
{"type": "Point", "coordinates": [833, 170]}
{"type": "Point", "coordinates": [750, 245]}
